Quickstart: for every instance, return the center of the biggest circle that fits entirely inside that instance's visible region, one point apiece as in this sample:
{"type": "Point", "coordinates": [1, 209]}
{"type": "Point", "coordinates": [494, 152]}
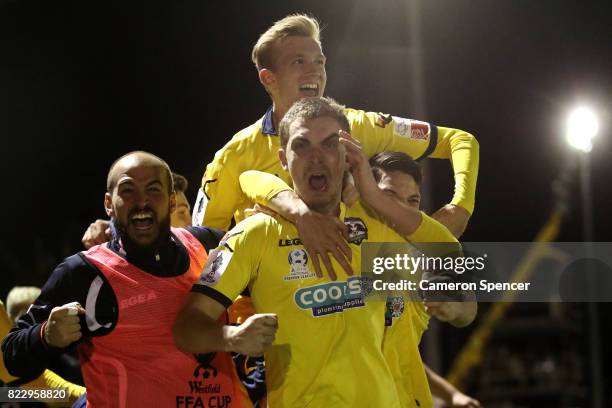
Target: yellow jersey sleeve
{"type": "Point", "coordinates": [420, 319]}
{"type": "Point", "coordinates": [431, 230]}
{"type": "Point", "coordinates": [378, 132]}
{"type": "Point", "coordinates": [220, 193]}
{"type": "Point", "coordinates": [49, 379]}
{"type": "Point", "coordinates": [232, 266]}
{"type": "Point", "coordinates": [260, 187]}
{"type": "Point", "coordinates": [463, 150]}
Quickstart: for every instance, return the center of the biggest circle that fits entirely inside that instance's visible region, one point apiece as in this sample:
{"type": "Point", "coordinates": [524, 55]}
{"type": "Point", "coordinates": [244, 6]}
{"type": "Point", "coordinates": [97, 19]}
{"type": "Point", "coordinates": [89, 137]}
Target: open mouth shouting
{"type": "Point", "coordinates": [309, 89]}
{"type": "Point", "coordinates": [318, 182]}
{"type": "Point", "coordinates": [142, 220]}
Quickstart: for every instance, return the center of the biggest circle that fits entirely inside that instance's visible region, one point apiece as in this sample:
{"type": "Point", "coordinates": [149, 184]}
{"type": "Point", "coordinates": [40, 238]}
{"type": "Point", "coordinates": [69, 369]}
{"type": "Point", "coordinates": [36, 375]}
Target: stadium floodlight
{"type": "Point", "coordinates": [582, 127]}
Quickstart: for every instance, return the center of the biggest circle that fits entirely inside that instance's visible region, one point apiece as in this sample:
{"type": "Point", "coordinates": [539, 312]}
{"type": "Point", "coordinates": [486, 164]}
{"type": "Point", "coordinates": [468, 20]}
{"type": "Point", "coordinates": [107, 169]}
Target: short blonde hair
{"type": "Point", "coordinates": [20, 297]}
{"type": "Point", "coordinates": [294, 25]}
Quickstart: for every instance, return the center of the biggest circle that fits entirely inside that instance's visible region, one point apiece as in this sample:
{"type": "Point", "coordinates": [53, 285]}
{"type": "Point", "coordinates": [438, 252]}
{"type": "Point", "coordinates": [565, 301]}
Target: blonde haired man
{"type": "Point", "coordinates": [291, 65]}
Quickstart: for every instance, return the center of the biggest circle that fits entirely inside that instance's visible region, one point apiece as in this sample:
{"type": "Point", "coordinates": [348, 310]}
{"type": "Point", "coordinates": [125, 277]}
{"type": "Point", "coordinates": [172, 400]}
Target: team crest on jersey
{"type": "Point", "coordinates": [382, 120]}
{"type": "Point", "coordinates": [411, 129]}
{"type": "Point", "coordinates": [228, 235]}
{"type": "Point", "coordinates": [394, 309]}
{"type": "Point", "coordinates": [215, 266]}
{"type": "Point", "coordinates": [357, 230]}
{"type": "Point", "coordinates": [298, 262]}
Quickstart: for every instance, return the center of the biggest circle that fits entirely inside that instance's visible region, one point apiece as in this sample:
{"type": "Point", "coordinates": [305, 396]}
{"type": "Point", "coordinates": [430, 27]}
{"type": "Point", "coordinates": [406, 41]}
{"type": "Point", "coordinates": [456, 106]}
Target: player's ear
{"type": "Point", "coordinates": [267, 78]}
{"type": "Point", "coordinates": [108, 205]}
{"type": "Point", "coordinates": [282, 155]}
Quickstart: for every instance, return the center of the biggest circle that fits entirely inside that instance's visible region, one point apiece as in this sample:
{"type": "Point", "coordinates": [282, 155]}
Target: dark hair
{"type": "Point", "coordinates": [311, 108]}
{"type": "Point", "coordinates": [180, 183]}
{"type": "Point", "coordinates": [395, 161]}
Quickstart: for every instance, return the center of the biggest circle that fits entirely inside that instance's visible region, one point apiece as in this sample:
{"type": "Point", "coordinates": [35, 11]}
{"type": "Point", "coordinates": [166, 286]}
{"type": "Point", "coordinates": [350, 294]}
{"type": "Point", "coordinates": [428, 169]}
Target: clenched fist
{"type": "Point", "coordinates": [63, 327]}
{"type": "Point", "coordinates": [253, 336]}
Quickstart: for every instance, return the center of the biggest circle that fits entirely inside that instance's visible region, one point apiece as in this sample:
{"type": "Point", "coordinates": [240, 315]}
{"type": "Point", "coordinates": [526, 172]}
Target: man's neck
{"type": "Point", "coordinates": [278, 112]}
{"type": "Point", "coordinates": [332, 209]}
{"type": "Point", "coordinates": [152, 252]}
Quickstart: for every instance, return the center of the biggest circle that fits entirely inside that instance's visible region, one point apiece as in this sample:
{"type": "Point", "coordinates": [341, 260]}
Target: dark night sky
{"type": "Point", "coordinates": [84, 82]}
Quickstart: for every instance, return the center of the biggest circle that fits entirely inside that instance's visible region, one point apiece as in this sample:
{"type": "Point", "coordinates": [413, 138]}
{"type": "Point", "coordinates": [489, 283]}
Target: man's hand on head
{"type": "Point", "coordinates": [350, 195]}
{"type": "Point", "coordinates": [453, 217]}
{"type": "Point", "coordinates": [360, 168]}
{"type": "Point", "coordinates": [97, 233]}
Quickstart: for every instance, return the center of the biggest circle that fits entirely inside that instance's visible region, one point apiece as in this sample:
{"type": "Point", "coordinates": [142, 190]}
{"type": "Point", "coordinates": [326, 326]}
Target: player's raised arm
{"type": "Point", "coordinates": [463, 150]}
{"type": "Point", "coordinates": [378, 132]}
{"type": "Point", "coordinates": [197, 330]}
{"type": "Point", "coordinates": [228, 271]}
{"type": "Point", "coordinates": [404, 219]}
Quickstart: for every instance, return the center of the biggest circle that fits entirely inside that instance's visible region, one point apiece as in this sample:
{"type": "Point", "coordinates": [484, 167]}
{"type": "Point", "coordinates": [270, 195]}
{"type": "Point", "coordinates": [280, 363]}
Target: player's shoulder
{"type": "Point", "coordinates": [249, 132]}
{"type": "Point", "coordinates": [365, 120]}
{"type": "Point", "coordinates": [357, 210]}
{"type": "Point", "coordinates": [239, 147]}
{"type": "Point", "coordinates": [248, 135]}
{"type": "Point", "coordinates": [257, 230]}
{"type": "Point", "coordinates": [72, 273]}
{"type": "Point", "coordinates": [365, 223]}
{"type": "Point", "coordinates": [260, 223]}
{"type": "Point", "coordinates": [353, 114]}
{"type": "Point", "coordinates": [208, 237]}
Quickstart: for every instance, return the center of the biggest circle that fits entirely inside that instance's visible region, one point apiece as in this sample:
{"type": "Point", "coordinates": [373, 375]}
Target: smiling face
{"type": "Point", "coordinates": [140, 201]}
{"type": "Point", "coordinates": [316, 162]}
{"type": "Point", "coordinates": [298, 71]}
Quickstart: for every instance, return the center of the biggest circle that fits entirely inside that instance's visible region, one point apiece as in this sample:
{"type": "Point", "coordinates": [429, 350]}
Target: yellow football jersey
{"type": "Point", "coordinates": [401, 350]}
{"type": "Point", "coordinates": [256, 148]}
{"type": "Point", "coordinates": [329, 346]}
{"type": "Point", "coordinates": [406, 319]}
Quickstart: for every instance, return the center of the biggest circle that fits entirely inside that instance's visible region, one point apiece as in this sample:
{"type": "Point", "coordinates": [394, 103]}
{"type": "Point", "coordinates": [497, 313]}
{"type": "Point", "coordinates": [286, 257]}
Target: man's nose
{"type": "Point", "coordinates": [316, 154]}
{"type": "Point", "coordinates": [142, 199]}
{"type": "Point", "coordinates": [314, 68]}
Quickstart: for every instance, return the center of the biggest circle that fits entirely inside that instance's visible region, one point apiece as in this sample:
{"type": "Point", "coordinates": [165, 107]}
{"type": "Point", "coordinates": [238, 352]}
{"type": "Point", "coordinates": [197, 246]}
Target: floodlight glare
{"type": "Point", "coordinates": [582, 127]}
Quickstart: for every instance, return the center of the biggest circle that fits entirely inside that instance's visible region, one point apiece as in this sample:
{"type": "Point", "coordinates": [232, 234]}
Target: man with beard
{"type": "Point", "coordinates": [100, 231]}
{"type": "Point", "coordinates": [131, 289]}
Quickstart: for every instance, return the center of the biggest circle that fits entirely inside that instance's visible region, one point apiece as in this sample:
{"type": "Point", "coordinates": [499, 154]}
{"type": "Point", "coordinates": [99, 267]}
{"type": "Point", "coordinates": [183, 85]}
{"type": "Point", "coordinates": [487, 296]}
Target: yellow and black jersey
{"type": "Point", "coordinates": [329, 346]}
{"type": "Point", "coordinates": [406, 322]}
{"type": "Point", "coordinates": [256, 148]}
